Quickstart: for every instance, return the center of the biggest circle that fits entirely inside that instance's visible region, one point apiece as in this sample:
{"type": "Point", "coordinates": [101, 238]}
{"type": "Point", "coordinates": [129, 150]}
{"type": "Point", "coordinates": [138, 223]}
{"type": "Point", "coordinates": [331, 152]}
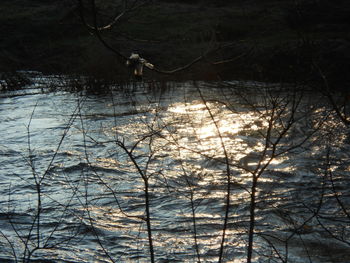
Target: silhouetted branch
{"type": "Point", "coordinates": [97, 31]}
{"type": "Point", "coordinates": [147, 201]}
{"type": "Point", "coordinates": [228, 175]}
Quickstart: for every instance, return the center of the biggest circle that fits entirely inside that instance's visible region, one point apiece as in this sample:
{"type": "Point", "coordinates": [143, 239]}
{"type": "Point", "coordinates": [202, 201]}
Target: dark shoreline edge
{"type": "Point", "coordinates": [271, 42]}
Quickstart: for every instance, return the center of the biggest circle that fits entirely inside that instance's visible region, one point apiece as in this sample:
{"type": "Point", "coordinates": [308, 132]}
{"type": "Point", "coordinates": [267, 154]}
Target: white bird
{"type": "Point", "coordinates": [137, 63]}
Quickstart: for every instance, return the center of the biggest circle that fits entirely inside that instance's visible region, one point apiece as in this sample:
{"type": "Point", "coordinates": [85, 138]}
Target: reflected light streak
{"type": "Point", "coordinates": [241, 133]}
{"type": "Point", "coordinates": [193, 140]}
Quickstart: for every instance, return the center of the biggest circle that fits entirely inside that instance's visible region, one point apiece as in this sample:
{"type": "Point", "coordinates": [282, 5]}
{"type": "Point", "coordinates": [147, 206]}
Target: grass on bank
{"type": "Point", "coordinates": [48, 36]}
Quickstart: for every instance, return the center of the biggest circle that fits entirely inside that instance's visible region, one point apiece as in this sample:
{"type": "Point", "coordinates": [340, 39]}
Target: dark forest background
{"type": "Point", "coordinates": [271, 40]}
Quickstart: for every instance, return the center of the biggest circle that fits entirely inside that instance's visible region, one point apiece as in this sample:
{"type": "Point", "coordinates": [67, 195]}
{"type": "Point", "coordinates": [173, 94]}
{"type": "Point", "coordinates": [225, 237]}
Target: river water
{"type": "Point", "coordinates": [86, 156]}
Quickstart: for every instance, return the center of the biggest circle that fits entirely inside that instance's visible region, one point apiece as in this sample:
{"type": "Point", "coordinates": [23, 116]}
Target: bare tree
{"type": "Point", "coordinates": [37, 235]}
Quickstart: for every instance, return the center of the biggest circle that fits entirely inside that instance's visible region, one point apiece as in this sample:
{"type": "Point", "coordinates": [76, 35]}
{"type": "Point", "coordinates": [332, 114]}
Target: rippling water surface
{"type": "Point", "coordinates": [86, 158]}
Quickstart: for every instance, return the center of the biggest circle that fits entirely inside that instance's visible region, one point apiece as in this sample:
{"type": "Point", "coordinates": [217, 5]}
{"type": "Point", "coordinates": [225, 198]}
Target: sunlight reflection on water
{"type": "Point", "coordinates": [94, 192]}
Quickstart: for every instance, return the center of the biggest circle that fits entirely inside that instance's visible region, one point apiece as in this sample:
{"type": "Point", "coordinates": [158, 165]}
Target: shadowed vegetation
{"type": "Point", "coordinates": [280, 40]}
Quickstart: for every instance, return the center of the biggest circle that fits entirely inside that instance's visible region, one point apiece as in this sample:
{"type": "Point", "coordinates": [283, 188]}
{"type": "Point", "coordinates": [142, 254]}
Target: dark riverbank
{"type": "Point", "coordinates": [264, 40]}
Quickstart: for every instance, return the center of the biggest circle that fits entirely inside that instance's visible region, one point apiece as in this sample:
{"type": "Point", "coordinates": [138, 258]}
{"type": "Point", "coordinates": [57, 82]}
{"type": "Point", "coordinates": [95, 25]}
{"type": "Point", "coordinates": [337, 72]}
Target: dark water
{"type": "Point", "coordinates": [181, 136]}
